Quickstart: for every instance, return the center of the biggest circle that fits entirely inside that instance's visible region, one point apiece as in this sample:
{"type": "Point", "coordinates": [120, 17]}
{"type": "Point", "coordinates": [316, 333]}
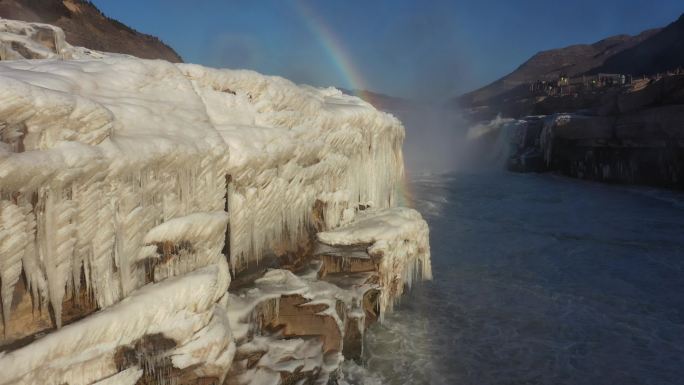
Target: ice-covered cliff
{"type": "Point", "coordinates": [142, 201]}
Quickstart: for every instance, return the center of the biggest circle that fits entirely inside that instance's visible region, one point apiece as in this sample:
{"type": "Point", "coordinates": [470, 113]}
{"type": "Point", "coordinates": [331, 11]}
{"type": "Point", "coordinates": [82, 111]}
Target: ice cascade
{"type": "Point", "coordinates": [141, 203]}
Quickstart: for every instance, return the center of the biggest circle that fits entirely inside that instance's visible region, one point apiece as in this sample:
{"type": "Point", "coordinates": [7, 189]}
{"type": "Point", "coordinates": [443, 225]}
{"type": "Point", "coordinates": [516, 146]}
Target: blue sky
{"type": "Point", "coordinates": [412, 48]}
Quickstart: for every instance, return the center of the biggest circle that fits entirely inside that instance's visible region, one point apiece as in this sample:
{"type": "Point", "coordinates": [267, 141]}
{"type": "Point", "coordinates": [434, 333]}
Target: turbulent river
{"type": "Point", "coordinates": [538, 279]}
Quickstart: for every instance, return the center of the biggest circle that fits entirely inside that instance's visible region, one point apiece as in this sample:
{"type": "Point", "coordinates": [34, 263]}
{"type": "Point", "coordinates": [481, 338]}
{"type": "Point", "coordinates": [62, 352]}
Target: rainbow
{"type": "Point", "coordinates": [405, 193]}
{"type": "Point", "coordinates": [340, 57]}
{"type": "Point", "coordinates": [332, 45]}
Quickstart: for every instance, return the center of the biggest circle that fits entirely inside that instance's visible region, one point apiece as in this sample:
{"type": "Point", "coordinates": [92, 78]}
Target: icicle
{"type": "Point", "coordinates": [104, 282]}
{"type": "Point", "coordinates": [56, 239]}
{"type": "Point", "coordinates": [109, 173]}
{"type": "Point", "coordinates": [35, 278]}
{"type": "Point", "coordinates": [13, 240]}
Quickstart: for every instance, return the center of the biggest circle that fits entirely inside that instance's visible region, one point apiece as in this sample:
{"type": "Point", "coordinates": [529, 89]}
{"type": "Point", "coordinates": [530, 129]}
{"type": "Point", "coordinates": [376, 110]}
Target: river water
{"type": "Point", "coordinates": [538, 279]}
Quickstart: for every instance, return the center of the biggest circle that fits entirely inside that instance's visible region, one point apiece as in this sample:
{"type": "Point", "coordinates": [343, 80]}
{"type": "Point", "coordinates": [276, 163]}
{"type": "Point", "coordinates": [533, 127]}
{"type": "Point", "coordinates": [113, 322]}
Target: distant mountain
{"type": "Point", "coordinates": [84, 25]}
{"type": "Point", "coordinates": [649, 52]}
{"type": "Point", "coordinates": [548, 65]}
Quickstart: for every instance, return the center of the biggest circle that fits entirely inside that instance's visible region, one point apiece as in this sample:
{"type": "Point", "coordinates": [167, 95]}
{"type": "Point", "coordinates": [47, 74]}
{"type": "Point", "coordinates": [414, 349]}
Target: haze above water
{"type": "Point", "coordinates": [539, 279]}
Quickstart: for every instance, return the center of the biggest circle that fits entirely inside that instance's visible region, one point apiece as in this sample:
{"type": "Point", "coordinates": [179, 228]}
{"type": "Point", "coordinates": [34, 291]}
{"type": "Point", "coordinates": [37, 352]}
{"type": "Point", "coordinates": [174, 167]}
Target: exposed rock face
{"type": "Point", "coordinates": [642, 93]}
{"type": "Point", "coordinates": [618, 131]}
{"type": "Point", "coordinates": [641, 147]}
{"type": "Point", "coordinates": [85, 26]}
{"type": "Point", "coordinates": [140, 201]}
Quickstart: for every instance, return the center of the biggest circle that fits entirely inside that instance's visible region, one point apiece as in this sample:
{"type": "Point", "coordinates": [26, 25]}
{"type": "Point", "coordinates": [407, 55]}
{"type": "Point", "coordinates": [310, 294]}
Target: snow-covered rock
{"type": "Point", "coordinates": [397, 241]}
{"type": "Point", "coordinates": [131, 189]}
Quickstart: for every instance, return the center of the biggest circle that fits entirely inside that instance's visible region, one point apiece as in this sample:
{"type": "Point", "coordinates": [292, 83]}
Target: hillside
{"type": "Point", "coordinates": [84, 25]}
{"type": "Point", "coordinates": [660, 52]}
{"type": "Point", "coordinates": [548, 65]}
{"type": "Point", "coordinates": [650, 52]}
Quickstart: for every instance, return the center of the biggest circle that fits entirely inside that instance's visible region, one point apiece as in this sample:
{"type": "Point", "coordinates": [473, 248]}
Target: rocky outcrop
{"type": "Point", "coordinates": [291, 326]}
{"type": "Point", "coordinates": [640, 147]}
{"type": "Point", "coordinates": [176, 224]}
{"type": "Point", "coordinates": [85, 26]}
{"type": "Point", "coordinates": [627, 129]}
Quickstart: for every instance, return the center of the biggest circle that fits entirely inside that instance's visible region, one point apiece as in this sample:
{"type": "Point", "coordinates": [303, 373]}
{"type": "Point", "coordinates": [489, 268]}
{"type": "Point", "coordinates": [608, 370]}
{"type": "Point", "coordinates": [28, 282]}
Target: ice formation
{"type": "Point", "coordinates": [132, 190]}
{"type": "Point", "coordinates": [397, 239]}
{"type": "Point", "coordinates": [83, 352]}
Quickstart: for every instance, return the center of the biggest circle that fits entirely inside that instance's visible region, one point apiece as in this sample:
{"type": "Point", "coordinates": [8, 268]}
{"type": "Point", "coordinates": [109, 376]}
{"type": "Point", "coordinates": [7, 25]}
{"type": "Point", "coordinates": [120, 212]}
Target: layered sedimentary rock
{"type": "Point", "coordinates": [634, 135]}
{"type": "Point", "coordinates": [141, 203]}
{"type": "Point", "coordinates": [641, 147]}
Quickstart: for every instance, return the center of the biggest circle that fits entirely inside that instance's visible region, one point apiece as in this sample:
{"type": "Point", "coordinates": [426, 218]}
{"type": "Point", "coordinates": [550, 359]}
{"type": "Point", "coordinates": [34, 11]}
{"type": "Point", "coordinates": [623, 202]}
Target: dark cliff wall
{"type": "Point", "coordinates": [638, 147]}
